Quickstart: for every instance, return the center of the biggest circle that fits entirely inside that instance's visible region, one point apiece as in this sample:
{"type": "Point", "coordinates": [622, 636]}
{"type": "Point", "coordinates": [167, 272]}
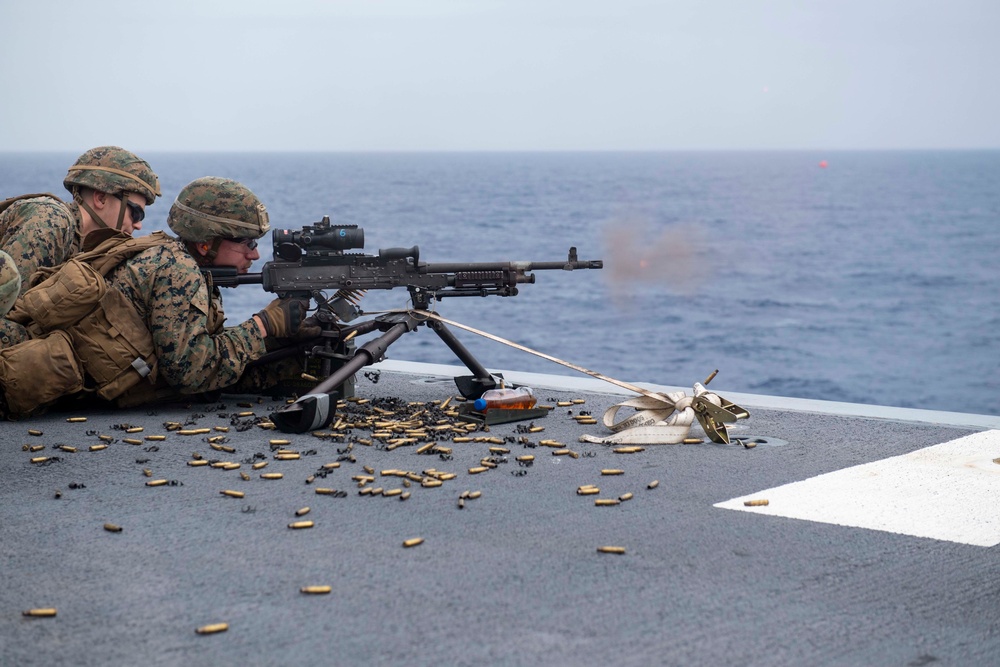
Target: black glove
{"type": "Point", "coordinates": [283, 317]}
{"type": "Point", "coordinates": [308, 330]}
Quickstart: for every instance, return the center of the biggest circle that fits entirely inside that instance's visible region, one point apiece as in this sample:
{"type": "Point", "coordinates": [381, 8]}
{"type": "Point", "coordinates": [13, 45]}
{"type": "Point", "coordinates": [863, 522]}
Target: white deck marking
{"type": "Point", "coordinates": [949, 492]}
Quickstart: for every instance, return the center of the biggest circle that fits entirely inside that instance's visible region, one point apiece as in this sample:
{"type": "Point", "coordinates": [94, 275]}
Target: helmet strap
{"type": "Point", "coordinates": [121, 211]}
{"type": "Point", "coordinates": [78, 198]}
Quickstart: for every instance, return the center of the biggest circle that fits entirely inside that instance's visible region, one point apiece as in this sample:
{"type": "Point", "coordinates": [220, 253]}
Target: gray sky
{"type": "Point", "coordinates": [499, 74]}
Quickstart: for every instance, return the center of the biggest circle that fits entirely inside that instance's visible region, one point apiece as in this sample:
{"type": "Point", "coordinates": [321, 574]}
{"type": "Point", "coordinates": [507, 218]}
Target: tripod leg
{"type": "Point", "coordinates": [470, 386]}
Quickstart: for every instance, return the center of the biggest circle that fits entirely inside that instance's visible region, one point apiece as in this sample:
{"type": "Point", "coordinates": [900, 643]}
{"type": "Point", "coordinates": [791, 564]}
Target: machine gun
{"type": "Point", "coordinates": [308, 262]}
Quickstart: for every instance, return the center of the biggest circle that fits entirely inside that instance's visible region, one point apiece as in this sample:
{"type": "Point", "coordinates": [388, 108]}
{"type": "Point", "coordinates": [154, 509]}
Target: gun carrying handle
{"type": "Point", "coordinates": [387, 254]}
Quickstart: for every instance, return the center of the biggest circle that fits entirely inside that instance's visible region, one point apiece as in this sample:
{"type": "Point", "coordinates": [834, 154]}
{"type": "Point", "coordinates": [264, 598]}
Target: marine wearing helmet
{"type": "Point", "coordinates": [114, 171]}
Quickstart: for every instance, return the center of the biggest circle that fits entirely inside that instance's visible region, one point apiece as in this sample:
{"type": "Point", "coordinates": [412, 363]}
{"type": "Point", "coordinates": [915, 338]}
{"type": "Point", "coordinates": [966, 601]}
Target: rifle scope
{"type": "Point", "coordinates": [318, 236]}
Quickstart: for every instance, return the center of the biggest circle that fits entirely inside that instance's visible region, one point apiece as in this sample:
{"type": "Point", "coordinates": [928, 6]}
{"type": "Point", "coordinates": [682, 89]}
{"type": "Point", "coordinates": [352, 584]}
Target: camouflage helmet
{"type": "Point", "coordinates": [113, 170]}
{"type": "Point", "coordinates": [212, 207]}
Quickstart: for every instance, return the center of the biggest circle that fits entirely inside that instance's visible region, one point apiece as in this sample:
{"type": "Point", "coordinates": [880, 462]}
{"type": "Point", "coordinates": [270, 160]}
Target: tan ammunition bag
{"type": "Point", "coordinates": [111, 342]}
{"type": "Point", "coordinates": [37, 372]}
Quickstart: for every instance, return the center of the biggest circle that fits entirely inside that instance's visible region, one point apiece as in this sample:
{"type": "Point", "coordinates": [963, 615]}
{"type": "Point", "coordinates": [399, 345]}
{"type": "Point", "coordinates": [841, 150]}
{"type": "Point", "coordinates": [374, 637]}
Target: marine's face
{"type": "Point", "coordinates": [238, 253]}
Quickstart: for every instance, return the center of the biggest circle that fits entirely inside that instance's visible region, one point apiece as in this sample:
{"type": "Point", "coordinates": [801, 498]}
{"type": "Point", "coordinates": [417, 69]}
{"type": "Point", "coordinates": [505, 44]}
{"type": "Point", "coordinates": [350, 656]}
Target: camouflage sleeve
{"type": "Point", "coordinates": [170, 292]}
{"type": "Point", "coordinates": [37, 232]}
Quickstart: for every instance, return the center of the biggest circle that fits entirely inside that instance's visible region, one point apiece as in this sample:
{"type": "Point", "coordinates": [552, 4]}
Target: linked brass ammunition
{"type": "Point", "coordinates": [112, 528]}
{"type": "Point", "coordinates": [611, 550]}
{"type": "Point", "coordinates": [316, 590]}
{"type": "Point", "coordinates": [40, 613]}
{"type": "Point", "coordinates": [298, 525]}
{"type": "Point", "coordinates": [212, 629]}
{"type": "Point", "coordinates": [413, 541]}
{"type": "Point", "coordinates": [756, 503]}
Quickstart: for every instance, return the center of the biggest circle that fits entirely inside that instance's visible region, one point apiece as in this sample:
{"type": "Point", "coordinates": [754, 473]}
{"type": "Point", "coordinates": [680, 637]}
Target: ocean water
{"type": "Point", "coordinates": [873, 279]}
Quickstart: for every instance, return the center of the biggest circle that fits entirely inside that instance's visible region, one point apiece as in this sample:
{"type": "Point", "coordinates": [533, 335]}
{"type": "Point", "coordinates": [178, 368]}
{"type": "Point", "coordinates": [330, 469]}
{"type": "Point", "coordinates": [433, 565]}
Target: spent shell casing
{"type": "Point", "coordinates": [297, 525]}
{"type": "Point", "coordinates": [475, 494]}
{"type": "Point", "coordinates": [588, 491]}
{"type": "Point", "coordinates": [760, 502]}
{"type": "Point", "coordinates": [232, 494]}
{"type": "Point", "coordinates": [412, 542]}
{"type": "Point", "coordinates": [477, 470]}
{"type": "Point", "coordinates": [611, 550]}
{"type": "Point", "coordinates": [132, 441]}
{"type": "Point", "coordinates": [316, 590]}
{"type": "Point", "coordinates": [652, 485]}
{"type": "Point", "coordinates": [197, 462]}
{"type": "Point", "coordinates": [271, 475]}
{"type": "Point", "coordinates": [147, 472]}
{"type": "Point", "coordinates": [112, 528]}
{"type": "Point", "coordinates": [40, 613]}
{"type": "Point", "coordinates": [404, 495]}
{"type": "Point", "coordinates": [245, 477]}
{"type": "Point", "coordinates": [612, 471]}
{"type": "Point", "coordinates": [259, 465]}
{"type": "Point", "coordinates": [302, 512]}
{"type": "Point", "coordinates": [212, 628]}
{"type": "Point", "coordinates": [156, 482]}
{"type": "Point", "coordinates": [105, 438]}
{"type": "Point", "coordinates": [221, 429]}
{"type": "Point", "coordinates": [67, 448]}
{"type": "Point", "coordinates": [156, 437]}
{"type": "Point", "coordinates": [134, 429]}
{"type": "Point", "coordinates": [625, 496]}
{"type": "Point", "coordinates": [40, 459]}
{"type": "Point", "coordinates": [607, 501]}
{"type": "Point", "coordinates": [97, 448]}
{"type": "Point", "coordinates": [280, 443]}
{"type": "Point", "coordinates": [76, 420]}
{"type": "Point", "coordinates": [33, 431]}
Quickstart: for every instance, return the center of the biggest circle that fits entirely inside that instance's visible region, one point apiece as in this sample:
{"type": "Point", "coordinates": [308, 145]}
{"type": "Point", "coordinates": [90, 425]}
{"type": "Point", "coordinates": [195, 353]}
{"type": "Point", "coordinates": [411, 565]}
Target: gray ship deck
{"type": "Point", "coordinates": [515, 577]}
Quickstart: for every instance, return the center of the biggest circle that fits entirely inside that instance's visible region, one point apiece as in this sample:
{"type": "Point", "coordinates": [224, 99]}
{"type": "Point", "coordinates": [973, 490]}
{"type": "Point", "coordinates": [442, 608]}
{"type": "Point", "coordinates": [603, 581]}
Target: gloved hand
{"type": "Point", "coordinates": [308, 330]}
{"type": "Point", "coordinates": [282, 318]}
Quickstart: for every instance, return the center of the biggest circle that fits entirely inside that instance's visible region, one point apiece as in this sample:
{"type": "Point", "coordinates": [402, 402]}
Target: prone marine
{"type": "Point", "coordinates": [111, 188]}
{"type": "Point", "coordinates": [152, 328]}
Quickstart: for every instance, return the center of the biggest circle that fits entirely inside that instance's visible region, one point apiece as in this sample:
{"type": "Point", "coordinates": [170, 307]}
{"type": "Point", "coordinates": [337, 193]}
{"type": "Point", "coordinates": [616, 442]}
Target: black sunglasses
{"type": "Point", "coordinates": [251, 244]}
{"type": "Point", "coordinates": [136, 211]}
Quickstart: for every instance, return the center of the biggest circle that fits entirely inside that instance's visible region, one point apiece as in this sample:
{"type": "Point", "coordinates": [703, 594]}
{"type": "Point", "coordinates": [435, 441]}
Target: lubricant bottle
{"type": "Point", "coordinates": [521, 398]}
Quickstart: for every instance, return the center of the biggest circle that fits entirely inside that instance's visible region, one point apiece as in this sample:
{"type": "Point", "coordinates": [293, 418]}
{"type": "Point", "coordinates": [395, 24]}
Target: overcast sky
{"type": "Point", "coordinates": [403, 75]}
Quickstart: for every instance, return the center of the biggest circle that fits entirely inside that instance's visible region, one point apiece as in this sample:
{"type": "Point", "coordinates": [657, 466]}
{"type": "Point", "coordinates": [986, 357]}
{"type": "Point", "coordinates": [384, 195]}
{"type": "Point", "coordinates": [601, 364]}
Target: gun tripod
{"type": "Point", "coordinates": [316, 409]}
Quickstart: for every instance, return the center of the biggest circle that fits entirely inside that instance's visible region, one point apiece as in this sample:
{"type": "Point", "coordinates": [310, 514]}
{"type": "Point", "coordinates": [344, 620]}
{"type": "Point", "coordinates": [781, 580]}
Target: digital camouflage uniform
{"type": "Point", "coordinates": [37, 232]}
{"type": "Point", "coordinates": [194, 352]}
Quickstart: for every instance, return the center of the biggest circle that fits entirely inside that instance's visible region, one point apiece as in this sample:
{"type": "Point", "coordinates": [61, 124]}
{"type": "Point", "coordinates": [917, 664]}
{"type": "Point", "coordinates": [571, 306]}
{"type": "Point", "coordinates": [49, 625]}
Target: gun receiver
{"type": "Point", "coordinates": [308, 262]}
